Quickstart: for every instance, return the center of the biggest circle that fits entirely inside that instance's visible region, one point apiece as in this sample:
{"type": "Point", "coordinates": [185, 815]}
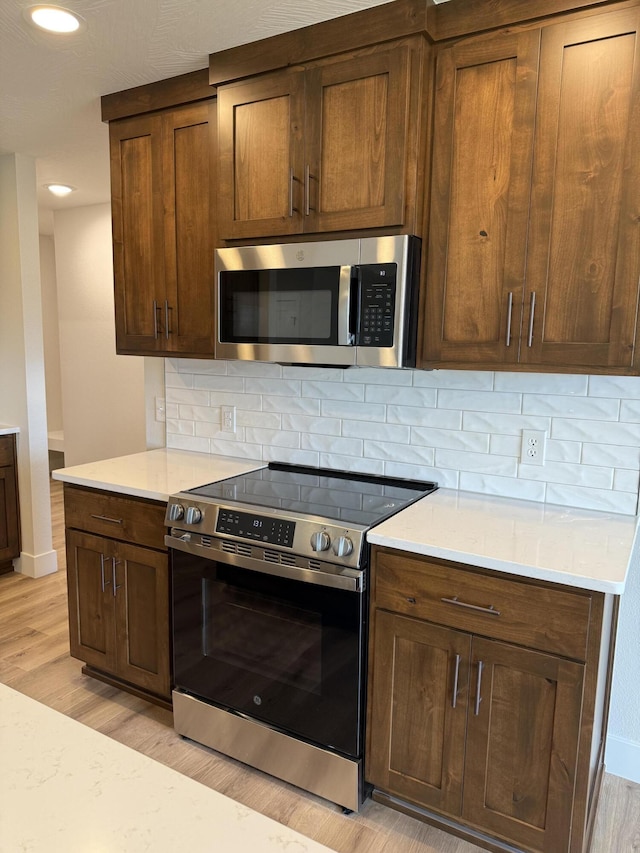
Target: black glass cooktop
{"type": "Point", "coordinates": [338, 495]}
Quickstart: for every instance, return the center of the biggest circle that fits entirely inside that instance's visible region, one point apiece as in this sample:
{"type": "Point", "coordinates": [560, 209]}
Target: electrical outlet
{"type": "Point", "coordinates": [533, 446]}
{"type": "Point", "coordinates": [228, 419]}
{"type": "Point", "coordinates": [160, 410]}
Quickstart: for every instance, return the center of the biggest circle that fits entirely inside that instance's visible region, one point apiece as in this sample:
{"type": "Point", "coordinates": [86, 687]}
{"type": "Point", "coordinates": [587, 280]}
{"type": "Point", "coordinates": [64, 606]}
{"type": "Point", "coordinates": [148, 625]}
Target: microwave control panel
{"type": "Point", "coordinates": [377, 304]}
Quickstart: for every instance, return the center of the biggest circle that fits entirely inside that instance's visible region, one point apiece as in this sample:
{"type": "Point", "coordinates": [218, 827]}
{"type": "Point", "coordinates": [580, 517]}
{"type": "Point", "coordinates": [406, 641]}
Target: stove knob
{"type": "Point", "coordinates": [343, 546]}
{"type": "Point", "coordinates": [320, 541]}
{"type": "Point", "coordinates": [176, 512]}
{"type": "Point", "coordinates": [194, 515]}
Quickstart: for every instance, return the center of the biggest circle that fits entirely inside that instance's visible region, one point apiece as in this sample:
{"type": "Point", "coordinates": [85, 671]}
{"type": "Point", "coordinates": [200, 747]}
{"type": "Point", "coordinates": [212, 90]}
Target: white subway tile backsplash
{"type": "Point", "coordinates": [353, 411]}
{"type": "Point", "coordinates": [503, 424]}
{"type": "Point", "coordinates": [416, 416]}
{"type": "Point", "coordinates": [460, 428]}
{"type": "Point", "coordinates": [388, 452]}
{"type": "Point", "coordinates": [542, 383]}
{"type": "Point", "coordinates": [425, 397]}
{"type": "Point", "coordinates": [332, 390]}
{"type": "Point", "coordinates": [479, 401]}
{"type": "Point", "coordinates": [471, 380]}
{"type": "Point", "coordinates": [450, 439]}
{"type": "Point", "coordinates": [504, 466]}
{"type": "Point", "coordinates": [595, 408]}
{"type": "Point", "coordinates": [380, 432]}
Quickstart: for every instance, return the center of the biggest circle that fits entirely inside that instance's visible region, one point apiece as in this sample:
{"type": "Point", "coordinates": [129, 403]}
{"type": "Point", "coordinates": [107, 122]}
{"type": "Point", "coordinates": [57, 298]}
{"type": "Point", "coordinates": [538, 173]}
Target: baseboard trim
{"type": "Point", "coordinates": [36, 565]}
{"type": "Point", "coordinates": [623, 758]}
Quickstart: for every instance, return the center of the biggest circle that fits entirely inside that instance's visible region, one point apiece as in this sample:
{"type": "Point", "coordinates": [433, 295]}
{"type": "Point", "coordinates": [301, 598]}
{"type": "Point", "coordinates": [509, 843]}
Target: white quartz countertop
{"type": "Point", "coordinates": [67, 788]}
{"type": "Point", "coordinates": [155, 474]}
{"type": "Point", "coordinates": [583, 548]}
{"type": "Point", "coordinates": [6, 429]}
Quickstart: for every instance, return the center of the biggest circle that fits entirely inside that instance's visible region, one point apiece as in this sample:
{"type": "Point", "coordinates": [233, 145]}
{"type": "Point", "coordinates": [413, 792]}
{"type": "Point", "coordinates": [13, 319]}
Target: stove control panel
{"type": "Point", "coordinates": [247, 525]}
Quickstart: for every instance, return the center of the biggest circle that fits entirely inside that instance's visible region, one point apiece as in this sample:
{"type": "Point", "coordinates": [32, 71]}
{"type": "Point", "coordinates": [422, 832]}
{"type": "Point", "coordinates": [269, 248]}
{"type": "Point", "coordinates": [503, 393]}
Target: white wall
{"type": "Point", "coordinates": [103, 394]}
{"type": "Point", "coordinates": [22, 394]}
{"type": "Point", "coordinates": [461, 428]}
{"type": "Point", "coordinates": [50, 332]}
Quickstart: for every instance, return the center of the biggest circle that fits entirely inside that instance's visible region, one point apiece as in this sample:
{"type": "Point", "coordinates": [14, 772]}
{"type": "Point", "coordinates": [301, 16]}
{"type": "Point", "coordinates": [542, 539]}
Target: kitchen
{"type": "Point", "coordinates": [363, 418]}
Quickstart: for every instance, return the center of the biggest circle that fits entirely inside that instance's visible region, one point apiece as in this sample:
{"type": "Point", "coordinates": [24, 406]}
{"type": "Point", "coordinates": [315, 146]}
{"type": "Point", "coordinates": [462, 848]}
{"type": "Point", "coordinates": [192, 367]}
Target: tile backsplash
{"type": "Point", "coordinates": [462, 428]}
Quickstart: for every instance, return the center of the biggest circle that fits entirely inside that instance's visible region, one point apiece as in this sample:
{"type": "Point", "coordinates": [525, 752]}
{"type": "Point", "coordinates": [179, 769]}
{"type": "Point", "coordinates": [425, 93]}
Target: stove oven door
{"type": "Point", "coordinates": [285, 652]}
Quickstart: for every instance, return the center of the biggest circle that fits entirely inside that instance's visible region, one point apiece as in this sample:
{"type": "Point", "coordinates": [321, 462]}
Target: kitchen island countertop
{"type": "Point", "coordinates": [6, 429]}
{"type": "Point", "coordinates": [583, 548]}
{"type": "Point", "coordinates": [65, 787]}
{"type": "Point", "coordinates": [155, 474]}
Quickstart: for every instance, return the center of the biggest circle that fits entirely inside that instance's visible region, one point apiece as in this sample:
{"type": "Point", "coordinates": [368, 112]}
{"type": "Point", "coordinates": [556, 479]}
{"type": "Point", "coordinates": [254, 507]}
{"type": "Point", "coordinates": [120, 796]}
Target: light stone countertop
{"type": "Point", "coordinates": [5, 429]}
{"type": "Point", "coordinates": [155, 474]}
{"type": "Point", "coordinates": [582, 548]}
{"type": "Point", "coordinates": [65, 788]}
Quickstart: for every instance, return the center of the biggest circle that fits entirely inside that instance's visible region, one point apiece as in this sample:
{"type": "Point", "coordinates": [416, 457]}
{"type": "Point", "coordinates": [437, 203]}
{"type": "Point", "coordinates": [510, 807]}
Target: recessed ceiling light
{"type": "Point", "coordinates": [60, 189]}
{"type": "Point", "coordinates": [54, 19]}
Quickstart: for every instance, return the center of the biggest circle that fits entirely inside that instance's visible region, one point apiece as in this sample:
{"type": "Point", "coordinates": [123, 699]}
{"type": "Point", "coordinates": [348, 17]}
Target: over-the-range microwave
{"type": "Point", "coordinates": [340, 302]}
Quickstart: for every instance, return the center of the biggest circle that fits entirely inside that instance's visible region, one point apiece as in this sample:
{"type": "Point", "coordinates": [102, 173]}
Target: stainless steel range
{"type": "Point", "coordinates": [269, 593]}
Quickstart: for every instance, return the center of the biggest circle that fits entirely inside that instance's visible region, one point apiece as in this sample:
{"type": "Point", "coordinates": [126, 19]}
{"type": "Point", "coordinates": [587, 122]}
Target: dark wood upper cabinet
{"type": "Point", "coordinates": [320, 149]}
{"type": "Point", "coordinates": [162, 231]}
{"type": "Point", "coordinates": [534, 244]}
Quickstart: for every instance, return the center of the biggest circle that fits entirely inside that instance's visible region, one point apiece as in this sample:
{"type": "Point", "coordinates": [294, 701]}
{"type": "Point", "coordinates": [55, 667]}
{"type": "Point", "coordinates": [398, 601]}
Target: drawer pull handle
{"type": "Point", "coordinates": [455, 682]}
{"type": "Point", "coordinates": [106, 518]}
{"type": "Point", "coordinates": [476, 709]}
{"type": "Point", "coordinates": [490, 610]}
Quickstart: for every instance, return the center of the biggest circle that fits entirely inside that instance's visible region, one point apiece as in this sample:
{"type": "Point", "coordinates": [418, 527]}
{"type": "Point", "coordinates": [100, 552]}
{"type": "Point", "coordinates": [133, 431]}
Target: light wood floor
{"type": "Point", "coordinates": [34, 659]}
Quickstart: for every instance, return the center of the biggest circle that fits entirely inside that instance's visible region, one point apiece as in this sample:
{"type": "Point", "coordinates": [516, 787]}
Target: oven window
{"type": "Point", "coordinates": [280, 306]}
{"type": "Point", "coordinates": [257, 634]}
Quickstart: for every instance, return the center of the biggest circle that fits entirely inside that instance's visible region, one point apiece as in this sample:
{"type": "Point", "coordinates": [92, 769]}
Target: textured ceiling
{"type": "Point", "coordinates": [50, 85]}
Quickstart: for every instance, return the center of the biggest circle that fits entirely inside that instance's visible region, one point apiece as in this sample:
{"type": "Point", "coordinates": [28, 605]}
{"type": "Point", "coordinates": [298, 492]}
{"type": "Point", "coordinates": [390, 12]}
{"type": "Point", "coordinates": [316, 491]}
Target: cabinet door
{"type": "Point", "coordinates": [418, 702]}
{"type": "Point", "coordinates": [483, 140]}
{"type": "Point", "coordinates": [584, 242]}
{"type": "Point", "coordinates": [91, 609]}
{"type": "Point", "coordinates": [522, 743]}
{"type": "Point", "coordinates": [356, 142]}
{"type": "Point", "coordinates": [138, 232]}
{"type": "Point", "coordinates": [187, 321]}
{"type": "Point", "coordinates": [9, 515]}
{"type": "Point", "coordinates": [260, 149]}
{"type": "Point", "coordinates": [141, 601]}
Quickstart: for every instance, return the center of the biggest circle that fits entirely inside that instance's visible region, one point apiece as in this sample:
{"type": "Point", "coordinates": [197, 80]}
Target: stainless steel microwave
{"type": "Point", "coordinates": [340, 302]}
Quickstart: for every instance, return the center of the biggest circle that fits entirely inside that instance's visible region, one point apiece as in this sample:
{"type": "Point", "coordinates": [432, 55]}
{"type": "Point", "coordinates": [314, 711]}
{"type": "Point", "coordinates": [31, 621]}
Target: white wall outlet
{"type": "Point", "coordinates": [228, 419]}
{"type": "Point", "coordinates": [161, 410]}
{"type": "Point", "coordinates": [533, 446]}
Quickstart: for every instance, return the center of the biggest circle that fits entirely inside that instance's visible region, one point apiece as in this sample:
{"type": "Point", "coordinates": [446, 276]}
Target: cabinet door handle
{"type": "Point", "coordinates": [456, 673]}
{"type": "Point", "coordinates": [167, 330]}
{"type": "Point", "coordinates": [106, 518]}
{"type": "Point", "coordinates": [291, 180]}
{"type": "Point", "coordinates": [490, 610]}
{"type": "Point", "coordinates": [103, 582]}
{"type": "Point", "coordinates": [476, 709]}
{"type": "Point", "coordinates": [155, 319]}
{"type": "Point", "coordinates": [116, 587]}
{"type": "Point", "coordinates": [307, 204]}
{"type": "Point", "coordinates": [532, 311]}
{"type": "Point", "coordinates": [509, 313]}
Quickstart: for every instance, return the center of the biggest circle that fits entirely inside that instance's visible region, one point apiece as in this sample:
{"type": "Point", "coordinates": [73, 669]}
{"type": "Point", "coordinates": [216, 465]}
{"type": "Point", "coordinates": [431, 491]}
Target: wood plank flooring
{"type": "Point", "coordinates": [34, 659]}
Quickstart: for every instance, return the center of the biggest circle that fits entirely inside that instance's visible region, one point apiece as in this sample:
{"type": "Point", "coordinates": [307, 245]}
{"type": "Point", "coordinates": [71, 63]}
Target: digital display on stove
{"type": "Point", "coordinates": [246, 525]}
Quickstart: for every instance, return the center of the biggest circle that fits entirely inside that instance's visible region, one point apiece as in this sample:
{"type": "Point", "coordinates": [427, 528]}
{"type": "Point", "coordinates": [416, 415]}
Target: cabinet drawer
{"type": "Point", "coordinates": [127, 519]}
{"type": "Point", "coordinates": [7, 456]}
{"type": "Point", "coordinates": [540, 617]}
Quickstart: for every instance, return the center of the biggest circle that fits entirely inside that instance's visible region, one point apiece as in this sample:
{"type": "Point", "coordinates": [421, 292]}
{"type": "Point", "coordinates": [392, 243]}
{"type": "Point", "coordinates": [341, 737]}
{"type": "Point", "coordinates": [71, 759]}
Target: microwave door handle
{"type": "Point", "coordinates": [345, 334]}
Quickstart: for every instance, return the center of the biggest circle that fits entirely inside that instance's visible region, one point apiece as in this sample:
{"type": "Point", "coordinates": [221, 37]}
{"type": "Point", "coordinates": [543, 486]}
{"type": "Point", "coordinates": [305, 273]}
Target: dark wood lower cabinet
{"type": "Point", "coordinates": [119, 593]}
{"type": "Point", "coordinates": [498, 742]}
{"type": "Point", "coordinates": [9, 507]}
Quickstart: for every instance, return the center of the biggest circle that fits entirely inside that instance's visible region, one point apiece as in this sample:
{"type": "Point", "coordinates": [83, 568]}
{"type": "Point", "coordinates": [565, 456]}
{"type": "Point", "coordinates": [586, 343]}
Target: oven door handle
{"type": "Point", "coordinates": [351, 580]}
